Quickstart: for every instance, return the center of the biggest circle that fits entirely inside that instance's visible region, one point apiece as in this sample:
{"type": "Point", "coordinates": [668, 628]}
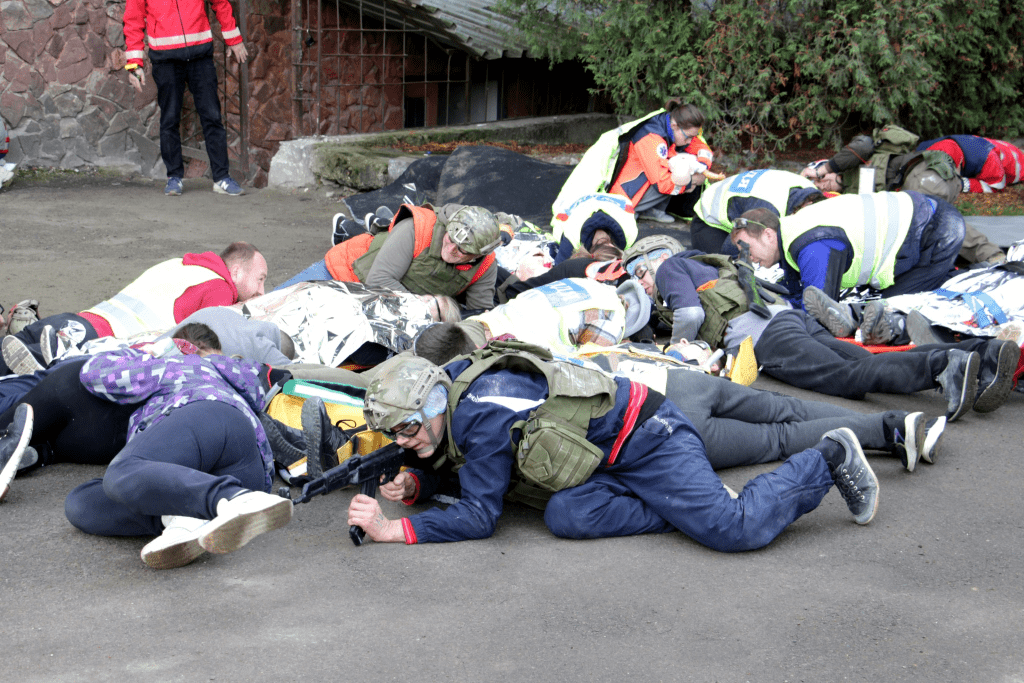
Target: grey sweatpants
{"type": "Point", "coordinates": [744, 426]}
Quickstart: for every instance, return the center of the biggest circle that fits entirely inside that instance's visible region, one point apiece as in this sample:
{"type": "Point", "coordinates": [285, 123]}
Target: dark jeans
{"type": "Point", "coordinates": [171, 76]}
{"type": "Point", "coordinates": [797, 350]}
{"type": "Point", "coordinates": [185, 464]}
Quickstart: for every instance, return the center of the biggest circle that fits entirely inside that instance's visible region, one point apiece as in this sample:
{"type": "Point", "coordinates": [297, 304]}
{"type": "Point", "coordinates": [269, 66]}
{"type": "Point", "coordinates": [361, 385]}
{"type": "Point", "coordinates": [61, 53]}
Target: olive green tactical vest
{"type": "Point", "coordinates": [428, 273]}
{"type": "Point", "coordinates": [721, 303]}
{"type": "Point", "coordinates": [552, 452]}
{"type": "Point", "coordinates": [890, 141]}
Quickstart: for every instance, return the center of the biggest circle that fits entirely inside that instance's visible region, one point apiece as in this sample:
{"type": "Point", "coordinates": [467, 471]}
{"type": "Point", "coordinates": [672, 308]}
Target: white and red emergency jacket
{"type": "Point", "coordinates": [174, 25]}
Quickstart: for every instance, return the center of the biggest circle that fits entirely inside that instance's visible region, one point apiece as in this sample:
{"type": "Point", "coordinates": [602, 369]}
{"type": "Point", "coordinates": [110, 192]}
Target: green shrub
{"type": "Point", "coordinates": [767, 72]}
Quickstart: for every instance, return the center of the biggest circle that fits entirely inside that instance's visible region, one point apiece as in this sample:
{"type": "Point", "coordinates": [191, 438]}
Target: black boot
{"type": "Point", "coordinates": [287, 443]}
{"type": "Point", "coordinates": [322, 439]}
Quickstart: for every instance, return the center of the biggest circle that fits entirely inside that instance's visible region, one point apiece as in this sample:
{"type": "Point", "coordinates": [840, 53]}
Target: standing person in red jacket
{"type": "Point", "coordinates": [181, 52]}
{"type": "Point", "coordinates": [159, 299]}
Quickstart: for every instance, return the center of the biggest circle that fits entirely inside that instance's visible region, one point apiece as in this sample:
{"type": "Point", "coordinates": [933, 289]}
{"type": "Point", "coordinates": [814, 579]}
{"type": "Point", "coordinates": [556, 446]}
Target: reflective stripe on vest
{"type": "Point", "coordinates": [770, 185]}
{"type": "Point", "coordinates": [875, 224]}
{"type": "Point", "coordinates": [148, 302]}
{"type": "Point", "coordinates": [569, 222]}
{"type": "Point", "coordinates": [554, 312]}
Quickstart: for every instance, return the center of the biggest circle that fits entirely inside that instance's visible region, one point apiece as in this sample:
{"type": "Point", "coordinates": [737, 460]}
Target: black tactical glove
{"type": "Point", "coordinates": [756, 289]}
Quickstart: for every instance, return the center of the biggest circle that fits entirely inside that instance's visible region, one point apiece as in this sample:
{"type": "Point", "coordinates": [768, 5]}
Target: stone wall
{"type": "Point", "coordinates": [64, 104]}
{"type": "Point", "coordinates": [68, 104]}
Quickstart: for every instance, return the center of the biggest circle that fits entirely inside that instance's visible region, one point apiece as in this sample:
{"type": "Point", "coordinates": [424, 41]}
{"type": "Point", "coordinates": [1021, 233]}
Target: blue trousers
{"type": "Point", "coordinates": [200, 75]}
{"type": "Point", "coordinates": [316, 272]}
{"type": "Point", "coordinates": [184, 465]}
{"type": "Point", "coordinates": [662, 481]}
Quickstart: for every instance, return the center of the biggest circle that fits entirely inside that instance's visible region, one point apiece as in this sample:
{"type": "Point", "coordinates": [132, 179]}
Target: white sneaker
{"type": "Point", "coordinates": [177, 545]}
{"type": "Point", "coordinates": [13, 445]}
{"type": "Point", "coordinates": [243, 518]}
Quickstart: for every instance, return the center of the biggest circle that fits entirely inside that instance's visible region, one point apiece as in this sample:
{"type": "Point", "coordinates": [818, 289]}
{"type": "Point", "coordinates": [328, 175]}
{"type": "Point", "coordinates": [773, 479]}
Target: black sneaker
{"type": "Point", "coordinates": [995, 379]}
{"type": "Point", "coordinates": [908, 442]}
{"type": "Point", "coordinates": [834, 316]}
{"type": "Point", "coordinates": [878, 325]}
{"type": "Point", "coordinates": [345, 228]}
{"type": "Point", "coordinates": [854, 478]}
{"type": "Point", "coordinates": [959, 382]}
{"type": "Point", "coordinates": [933, 431]}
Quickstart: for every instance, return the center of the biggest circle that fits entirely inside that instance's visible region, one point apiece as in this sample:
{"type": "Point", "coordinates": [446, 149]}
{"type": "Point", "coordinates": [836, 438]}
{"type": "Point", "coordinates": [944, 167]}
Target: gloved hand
{"type": "Point", "coordinates": [756, 289]}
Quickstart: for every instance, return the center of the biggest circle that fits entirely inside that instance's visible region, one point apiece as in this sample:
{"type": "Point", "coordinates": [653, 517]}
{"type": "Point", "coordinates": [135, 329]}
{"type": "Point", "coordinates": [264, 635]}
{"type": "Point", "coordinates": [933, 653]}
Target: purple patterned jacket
{"type": "Point", "coordinates": [163, 384]}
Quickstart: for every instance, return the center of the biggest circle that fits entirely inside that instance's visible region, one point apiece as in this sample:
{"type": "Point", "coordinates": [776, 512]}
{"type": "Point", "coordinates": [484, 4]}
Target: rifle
{"type": "Point", "coordinates": [365, 471]}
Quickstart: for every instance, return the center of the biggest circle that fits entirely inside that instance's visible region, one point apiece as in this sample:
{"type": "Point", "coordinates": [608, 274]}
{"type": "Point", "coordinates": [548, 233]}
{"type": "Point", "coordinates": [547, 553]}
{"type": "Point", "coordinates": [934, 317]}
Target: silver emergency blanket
{"type": "Point", "coordinates": [981, 302]}
{"type": "Point", "coordinates": [329, 321]}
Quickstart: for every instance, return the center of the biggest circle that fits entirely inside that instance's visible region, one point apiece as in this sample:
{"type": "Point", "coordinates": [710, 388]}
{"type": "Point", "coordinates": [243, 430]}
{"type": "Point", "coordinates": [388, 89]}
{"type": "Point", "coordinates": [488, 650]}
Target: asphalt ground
{"type": "Point", "coordinates": [930, 591]}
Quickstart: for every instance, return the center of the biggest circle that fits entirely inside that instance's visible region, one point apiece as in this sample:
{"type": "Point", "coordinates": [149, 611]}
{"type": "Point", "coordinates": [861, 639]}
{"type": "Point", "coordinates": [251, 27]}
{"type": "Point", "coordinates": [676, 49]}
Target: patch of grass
{"type": "Point", "coordinates": [977, 205]}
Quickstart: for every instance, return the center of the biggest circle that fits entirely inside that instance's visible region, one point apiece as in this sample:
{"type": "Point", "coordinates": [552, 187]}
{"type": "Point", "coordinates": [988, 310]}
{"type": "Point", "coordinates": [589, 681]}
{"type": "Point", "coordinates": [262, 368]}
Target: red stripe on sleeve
{"type": "Point", "coordinates": [637, 396]}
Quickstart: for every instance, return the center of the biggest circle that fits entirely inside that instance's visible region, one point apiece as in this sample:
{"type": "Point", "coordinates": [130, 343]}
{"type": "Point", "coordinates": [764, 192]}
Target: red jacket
{"type": "Point", "coordinates": [164, 21]}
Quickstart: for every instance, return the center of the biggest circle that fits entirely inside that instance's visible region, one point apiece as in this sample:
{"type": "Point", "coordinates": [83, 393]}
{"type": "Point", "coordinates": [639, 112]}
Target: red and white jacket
{"type": "Point", "coordinates": [173, 25]}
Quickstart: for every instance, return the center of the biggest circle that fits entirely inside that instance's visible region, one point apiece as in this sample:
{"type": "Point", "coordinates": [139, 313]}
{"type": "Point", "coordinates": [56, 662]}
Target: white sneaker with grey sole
{"type": "Point", "coordinates": [243, 518]}
{"type": "Point", "coordinates": [177, 546]}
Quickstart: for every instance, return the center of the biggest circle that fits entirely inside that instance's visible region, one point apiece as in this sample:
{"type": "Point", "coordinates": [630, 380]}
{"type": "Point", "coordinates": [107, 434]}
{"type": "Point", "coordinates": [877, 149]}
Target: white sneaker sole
{"type": "Point", "coordinates": [11, 468]}
{"type": "Point", "coordinates": [914, 442]}
{"type": "Point", "coordinates": [177, 554]}
{"type": "Point", "coordinates": [231, 533]}
{"type": "Point", "coordinates": [18, 358]}
{"type": "Point", "coordinates": [932, 437]}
